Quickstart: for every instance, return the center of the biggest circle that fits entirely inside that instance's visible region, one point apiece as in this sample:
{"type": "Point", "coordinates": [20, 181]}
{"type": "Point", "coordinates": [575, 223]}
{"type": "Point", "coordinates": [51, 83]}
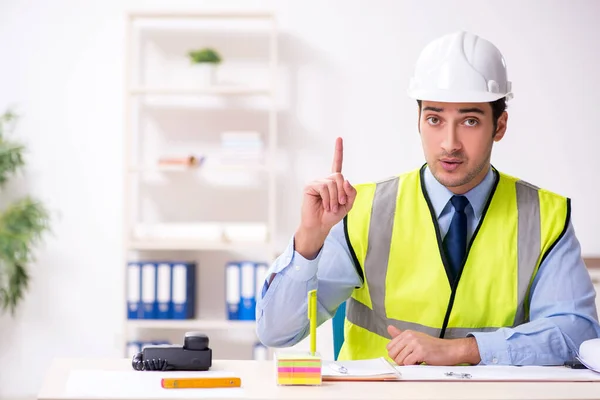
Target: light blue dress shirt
{"type": "Point", "coordinates": [562, 309]}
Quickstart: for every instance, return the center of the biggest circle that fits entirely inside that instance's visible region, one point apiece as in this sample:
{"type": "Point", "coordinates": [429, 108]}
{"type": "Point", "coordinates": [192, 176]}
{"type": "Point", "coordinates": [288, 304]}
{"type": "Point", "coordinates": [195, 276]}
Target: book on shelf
{"type": "Point", "coordinates": [161, 289]}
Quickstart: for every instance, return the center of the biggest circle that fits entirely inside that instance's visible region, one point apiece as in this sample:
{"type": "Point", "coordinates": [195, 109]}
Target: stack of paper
{"type": "Point", "coordinates": [496, 373]}
{"type": "Point", "coordinates": [376, 369]}
{"type": "Point", "coordinates": [379, 369]}
{"type": "Point", "coordinates": [298, 369]}
{"type": "Point", "coordinates": [130, 384]}
{"type": "Point", "coordinates": [242, 148]}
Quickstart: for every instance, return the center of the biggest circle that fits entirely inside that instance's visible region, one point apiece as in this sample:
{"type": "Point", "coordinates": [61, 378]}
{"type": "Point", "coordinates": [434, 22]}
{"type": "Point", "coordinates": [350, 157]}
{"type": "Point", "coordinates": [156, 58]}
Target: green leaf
{"type": "Point", "coordinates": [21, 227]}
{"type": "Point", "coordinates": [11, 159]}
{"type": "Point", "coordinates": [22, 224]}
{"type": "Point", "coordinates": [17, 279]}
{"type": "Point", "coordinates": [206, 55]}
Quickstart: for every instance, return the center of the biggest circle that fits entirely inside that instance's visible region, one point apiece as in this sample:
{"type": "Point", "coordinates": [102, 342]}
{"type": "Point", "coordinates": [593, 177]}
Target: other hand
{"type": "Point", "coordinates": [411, 347]}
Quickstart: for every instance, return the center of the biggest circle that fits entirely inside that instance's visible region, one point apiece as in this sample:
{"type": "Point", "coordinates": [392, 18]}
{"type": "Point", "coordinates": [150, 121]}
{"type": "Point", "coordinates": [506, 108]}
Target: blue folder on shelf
{"type": "Point", "coordinates": [259, 279]}
{"type": "Point", "coordinates": [134, 290]}
{"type": "Point", "coordinates": [133, 347]}
{"type": "Point", "coordinates": [164, 290]}
{"type": "Point", "coordinates": [149, 302]}
{"type": "Point", "coordinates": [247, 288]}
{"type": "Point", "coordinates": [183, 276]}
{"type": "Point", "coordinates": [260, 352]}
{"type": "Point", "coordinates": [232, 290]}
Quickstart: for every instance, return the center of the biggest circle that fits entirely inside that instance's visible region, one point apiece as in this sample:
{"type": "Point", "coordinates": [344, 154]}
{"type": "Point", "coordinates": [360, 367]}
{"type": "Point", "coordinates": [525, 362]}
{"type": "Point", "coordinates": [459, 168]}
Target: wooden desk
{"type": "Point", "coordinates": [258, 380]}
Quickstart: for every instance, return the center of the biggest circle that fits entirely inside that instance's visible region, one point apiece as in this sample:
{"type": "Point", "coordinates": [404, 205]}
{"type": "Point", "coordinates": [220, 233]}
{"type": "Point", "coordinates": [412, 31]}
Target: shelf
{"type": "Point", "coordinates": [196, 169]}
{"type": "Point", "coordinates": [212, 91]}
{"type": "Point", "coordinates": [190, 324]}
{"type": "Point", "coordinates": [170, 244]}
{"type": "Point", "coordinates": [163, 168]}
{"type": "Point", "coordinates": [204, 14]}
{"type": "Point", "coordinates": [163, 94]}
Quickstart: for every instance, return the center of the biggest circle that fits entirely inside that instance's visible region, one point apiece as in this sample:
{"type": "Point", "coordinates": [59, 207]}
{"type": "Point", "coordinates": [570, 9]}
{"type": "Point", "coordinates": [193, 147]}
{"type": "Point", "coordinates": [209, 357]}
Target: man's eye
{"type": "Point", "coordinates": [433, 120]}
{"type": "Point", "coordinates": [471, 122]}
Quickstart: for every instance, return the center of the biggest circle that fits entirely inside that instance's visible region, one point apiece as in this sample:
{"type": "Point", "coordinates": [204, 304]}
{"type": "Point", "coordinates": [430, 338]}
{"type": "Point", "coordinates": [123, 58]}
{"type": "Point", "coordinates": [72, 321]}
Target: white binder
{"type": "Point", "coordinates": [148, 291]}
{"type": "Point", "coordinates": [163, 292]}
{"type": "Point", "coordinates": [261, 275]}
{"type": "Point", "coordinates": [184, 290]}
{"type": "Point", "coordinates": [133, 291]}
{"type": "Point", "coordinates": [232, 290]}
{"type": "Point", "coordinates": [248, 286]}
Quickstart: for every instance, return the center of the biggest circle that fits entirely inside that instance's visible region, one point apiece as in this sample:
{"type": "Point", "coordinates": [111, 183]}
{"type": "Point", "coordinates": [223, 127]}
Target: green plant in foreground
{"type": "Point", "coordinates": [22, 224]}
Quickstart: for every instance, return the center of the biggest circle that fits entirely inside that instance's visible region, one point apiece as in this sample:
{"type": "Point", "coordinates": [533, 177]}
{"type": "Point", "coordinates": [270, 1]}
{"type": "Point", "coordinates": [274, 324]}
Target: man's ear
{"type": "Point", "coordinates": [501, 127]}
{"type": "Point", "coordinates": [419, 120]}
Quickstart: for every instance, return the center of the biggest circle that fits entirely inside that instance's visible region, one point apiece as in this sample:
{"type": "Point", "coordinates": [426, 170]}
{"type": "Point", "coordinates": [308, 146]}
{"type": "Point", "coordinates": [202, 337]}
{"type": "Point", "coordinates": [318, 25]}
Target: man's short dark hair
{"type": "Point", "coordinates": [498, 107]}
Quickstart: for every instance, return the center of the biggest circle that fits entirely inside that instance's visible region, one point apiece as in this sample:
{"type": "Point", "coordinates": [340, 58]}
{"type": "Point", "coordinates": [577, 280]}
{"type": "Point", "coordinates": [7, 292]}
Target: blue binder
{"type": "Point", "coordinates": [134, 290]}
{"type": "Point", "coordinates": [183, 275]}
{"type": "Point", "coordinates": [159, 343]}
{"type": "Point", "coordinates": [232, 290]}
{"type": "Point", "coordinates": [260, 277]}
{"type": "Point", "coordinates": [133, 347]}
{"type": "Point", "coordinates": [145, 344]}
{"type": "Point", "coordinates": [149, 303]}
{"type": "Point", "coordinates": [247, 288]}
{"type": "Point", "coordinates": [164, 290]}
{"type": "Point", "coordinates": [260, 352]}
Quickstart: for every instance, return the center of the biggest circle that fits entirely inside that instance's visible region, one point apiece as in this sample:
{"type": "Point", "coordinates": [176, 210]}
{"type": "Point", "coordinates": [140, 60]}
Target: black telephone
{"type": "Point", "coordinates": [194, 355]}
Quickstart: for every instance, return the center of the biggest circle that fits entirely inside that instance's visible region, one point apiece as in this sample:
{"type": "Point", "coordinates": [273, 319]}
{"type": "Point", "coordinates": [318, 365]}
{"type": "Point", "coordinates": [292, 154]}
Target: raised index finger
{"type": "Point", "coordinates": [338, 156]}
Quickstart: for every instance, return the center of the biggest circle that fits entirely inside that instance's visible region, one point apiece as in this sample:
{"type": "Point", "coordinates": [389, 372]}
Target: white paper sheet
{"type": "Point", "coordinates": [589, 364]}
{"type": "Point", "coordinates": [356, 368]}
{"type": "Point", "coordinates": [141, 385]}
{"type": "Point", "coordinates": [496, 373]}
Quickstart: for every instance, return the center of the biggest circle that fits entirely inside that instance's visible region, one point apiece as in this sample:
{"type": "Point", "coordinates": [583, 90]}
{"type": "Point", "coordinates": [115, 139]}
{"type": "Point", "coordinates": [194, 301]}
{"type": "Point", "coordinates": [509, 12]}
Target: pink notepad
{"type": "Point", "coordinates": [298, 369]}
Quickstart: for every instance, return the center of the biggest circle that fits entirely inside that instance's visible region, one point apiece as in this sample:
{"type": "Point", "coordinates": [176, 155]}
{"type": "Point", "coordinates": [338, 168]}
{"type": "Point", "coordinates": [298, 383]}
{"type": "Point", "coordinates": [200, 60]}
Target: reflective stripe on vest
{"type": "Point", "coordinates": [377, 257]}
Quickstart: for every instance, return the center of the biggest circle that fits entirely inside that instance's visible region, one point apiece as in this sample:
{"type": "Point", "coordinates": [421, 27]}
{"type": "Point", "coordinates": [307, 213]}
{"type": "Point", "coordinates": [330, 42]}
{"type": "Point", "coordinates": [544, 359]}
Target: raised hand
{"type": "Point", "coordinates": [325, 203]}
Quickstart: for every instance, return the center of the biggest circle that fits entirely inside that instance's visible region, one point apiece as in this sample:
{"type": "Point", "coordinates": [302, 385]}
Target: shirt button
{"type": "Point", "coordinates": [297, 268]}
{"type": "Point", "coordinates": [495, 360]}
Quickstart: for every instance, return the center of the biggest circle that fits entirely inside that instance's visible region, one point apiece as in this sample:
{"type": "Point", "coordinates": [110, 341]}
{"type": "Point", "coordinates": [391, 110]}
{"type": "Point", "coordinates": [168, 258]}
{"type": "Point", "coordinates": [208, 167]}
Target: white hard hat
{"type": "Point", "coordinates": [460, 68]}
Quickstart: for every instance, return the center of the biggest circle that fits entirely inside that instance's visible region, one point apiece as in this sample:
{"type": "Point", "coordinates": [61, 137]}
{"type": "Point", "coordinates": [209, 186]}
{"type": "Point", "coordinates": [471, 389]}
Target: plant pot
{"type": "Point", "coordinates": [205, 74]}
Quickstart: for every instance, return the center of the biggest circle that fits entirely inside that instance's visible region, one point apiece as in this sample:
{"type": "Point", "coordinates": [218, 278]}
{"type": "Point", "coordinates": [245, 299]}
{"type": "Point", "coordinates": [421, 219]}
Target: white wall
{"type": "Point", "coordinates": [348, 64]}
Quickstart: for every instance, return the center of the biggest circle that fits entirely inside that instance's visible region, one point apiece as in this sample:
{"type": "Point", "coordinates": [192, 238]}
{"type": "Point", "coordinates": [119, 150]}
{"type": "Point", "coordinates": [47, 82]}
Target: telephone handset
{"type": "Point", "coordinates": [194, 355]}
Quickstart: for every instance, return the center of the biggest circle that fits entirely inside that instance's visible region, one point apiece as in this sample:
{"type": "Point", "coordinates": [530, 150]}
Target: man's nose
{"type": "Point", "coordinates": [451, 144]}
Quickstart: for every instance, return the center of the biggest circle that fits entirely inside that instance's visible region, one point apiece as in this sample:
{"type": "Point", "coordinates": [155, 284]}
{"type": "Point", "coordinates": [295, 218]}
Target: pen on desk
{"type": "Point", "coordinates": [200, 383]}
{"type": "Point", "coordinates": [312, 318]}
{"type": "Point", "coordinates": [339, 368]}
{"type": "Point", "coordinates": [574, 364]}
{"type": "Point", "coordinates": [458, 375]}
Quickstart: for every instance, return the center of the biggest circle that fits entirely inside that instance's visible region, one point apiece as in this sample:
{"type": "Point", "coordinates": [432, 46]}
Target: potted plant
{"type": "Point", "coordinates": [22, 223]}
{"type": "Point", "coordinates": [205, 60]}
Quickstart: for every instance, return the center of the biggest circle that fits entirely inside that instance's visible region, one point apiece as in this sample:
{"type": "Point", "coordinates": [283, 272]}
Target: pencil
{"type": "Point", "coordinates": [200, 383]}
{"type": "Point", "coordinates": [312, 317]}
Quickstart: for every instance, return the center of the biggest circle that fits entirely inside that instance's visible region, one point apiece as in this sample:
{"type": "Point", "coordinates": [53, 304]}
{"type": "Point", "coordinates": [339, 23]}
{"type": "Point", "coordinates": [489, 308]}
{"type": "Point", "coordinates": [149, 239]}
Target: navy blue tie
{"type": "Point", "coordinates": [455, 242]}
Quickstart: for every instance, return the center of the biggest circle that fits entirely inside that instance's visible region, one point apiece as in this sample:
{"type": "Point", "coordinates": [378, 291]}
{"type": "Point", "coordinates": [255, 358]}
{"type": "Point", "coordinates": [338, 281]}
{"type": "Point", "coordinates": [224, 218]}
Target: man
{"type": "Point", "coordinates": [451, 263]}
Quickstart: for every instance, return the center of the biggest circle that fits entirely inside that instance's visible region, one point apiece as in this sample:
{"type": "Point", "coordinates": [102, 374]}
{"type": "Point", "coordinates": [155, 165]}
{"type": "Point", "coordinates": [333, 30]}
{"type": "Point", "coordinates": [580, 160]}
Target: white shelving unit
{"type": "Point", "coordinates": [159, 35]}
{"type": "Point", "coordinates": [224, 91]}
{"type": "Point", "coordinates": [192, 324]}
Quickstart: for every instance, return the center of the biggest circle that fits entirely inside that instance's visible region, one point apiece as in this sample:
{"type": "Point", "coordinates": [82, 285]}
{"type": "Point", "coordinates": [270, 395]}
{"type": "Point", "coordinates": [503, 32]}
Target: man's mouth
{"type": "Point", "coordinates": [450, 164]}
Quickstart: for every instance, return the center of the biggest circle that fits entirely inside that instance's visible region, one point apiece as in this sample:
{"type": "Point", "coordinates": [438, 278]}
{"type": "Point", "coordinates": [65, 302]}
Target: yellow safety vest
{"type": "Point", "coordinates": [395, 241]}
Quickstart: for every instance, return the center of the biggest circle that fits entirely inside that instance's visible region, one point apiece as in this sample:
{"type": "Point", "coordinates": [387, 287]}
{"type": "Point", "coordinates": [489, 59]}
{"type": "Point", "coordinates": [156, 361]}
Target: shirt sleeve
{"type": "Point", "coordinates": [282, 308]}
{"type": "Point", "coordinates": [562, 313]}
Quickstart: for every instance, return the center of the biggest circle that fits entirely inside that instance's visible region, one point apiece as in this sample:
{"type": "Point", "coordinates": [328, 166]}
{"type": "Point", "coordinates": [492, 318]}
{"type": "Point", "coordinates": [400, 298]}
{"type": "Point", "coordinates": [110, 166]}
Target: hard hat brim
{"type": "Point", "coordinates": [452, 96]}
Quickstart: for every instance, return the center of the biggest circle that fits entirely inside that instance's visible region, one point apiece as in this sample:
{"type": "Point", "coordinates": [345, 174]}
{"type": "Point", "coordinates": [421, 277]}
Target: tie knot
{"type": "Point", "coordinates": [459, 203]}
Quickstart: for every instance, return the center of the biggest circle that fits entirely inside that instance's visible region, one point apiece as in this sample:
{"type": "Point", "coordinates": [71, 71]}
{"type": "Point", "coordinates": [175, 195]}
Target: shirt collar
{"type": "Point", "coordinates": [439, 195]}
